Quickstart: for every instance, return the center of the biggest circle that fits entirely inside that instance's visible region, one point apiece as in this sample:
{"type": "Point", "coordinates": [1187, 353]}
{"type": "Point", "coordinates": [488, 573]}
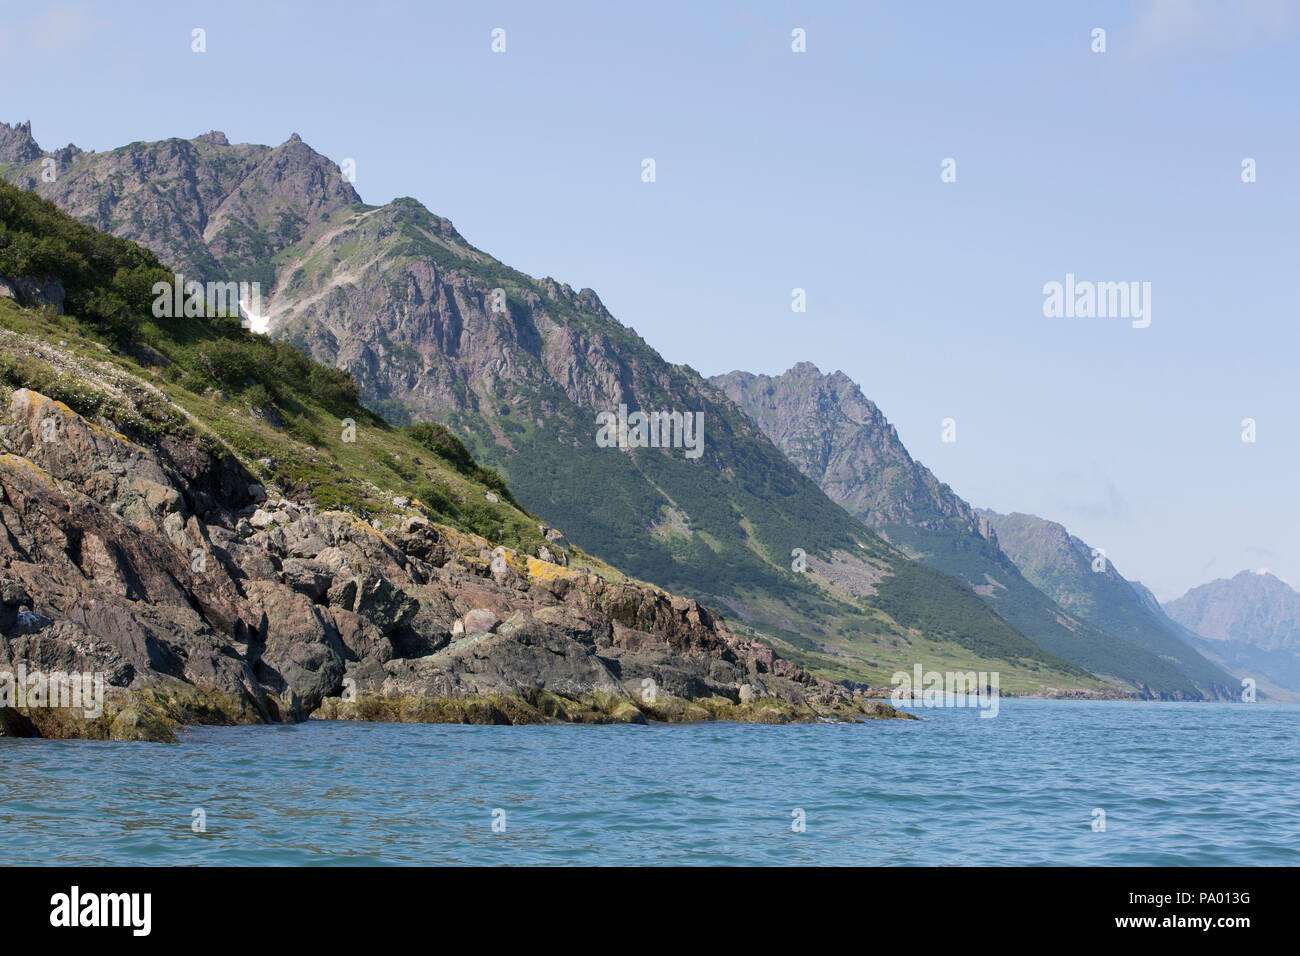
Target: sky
{"type": "Point", "coordinates": [821, 170]}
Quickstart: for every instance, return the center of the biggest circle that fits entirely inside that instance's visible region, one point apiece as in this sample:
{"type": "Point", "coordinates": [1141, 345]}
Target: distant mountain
{"type": "Point", "coordinates": [434, 329]}
{"type": "Point", "coordinates": [1251, 621]}
{"type": "Point", "coordinates": [841, 440]}
{"type": "Point", "coordinates": [1062, 566]}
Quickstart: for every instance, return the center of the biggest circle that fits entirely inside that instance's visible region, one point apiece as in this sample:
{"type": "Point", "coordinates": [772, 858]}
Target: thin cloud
{"type": "Point", "coordinates": [1175, 27]}
{"type": "Point", "coordinates": [60, 29]}
{"type": "Point", "coordinates": [1108, 506]}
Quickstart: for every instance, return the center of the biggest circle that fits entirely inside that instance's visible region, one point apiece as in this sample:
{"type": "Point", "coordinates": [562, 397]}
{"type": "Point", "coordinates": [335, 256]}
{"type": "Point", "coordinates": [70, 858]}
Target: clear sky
{"type": "Point", "coordinates": [821, 170]}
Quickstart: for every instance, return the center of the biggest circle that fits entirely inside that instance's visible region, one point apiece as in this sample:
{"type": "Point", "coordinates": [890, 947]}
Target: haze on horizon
{"type": "Point", "coordinates": [821, 170]}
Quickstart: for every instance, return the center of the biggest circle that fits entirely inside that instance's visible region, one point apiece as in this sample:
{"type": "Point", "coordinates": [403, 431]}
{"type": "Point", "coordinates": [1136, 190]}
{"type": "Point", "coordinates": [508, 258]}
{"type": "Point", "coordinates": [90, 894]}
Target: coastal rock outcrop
{"type": "Point", "coordinates": [199, 597]}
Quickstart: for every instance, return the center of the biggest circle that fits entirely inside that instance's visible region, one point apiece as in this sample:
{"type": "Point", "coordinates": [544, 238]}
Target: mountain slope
{"type": "Point", "coordinates": [1061, 566]}
{"type": "Point", "coordinates": [841, 440]}
{"type": "Point", "coordinates": [1252, 621]}
{"type": "Point", "coordinates": [433, 329]}
{"type": "Point", "coordinates": [185, 522]}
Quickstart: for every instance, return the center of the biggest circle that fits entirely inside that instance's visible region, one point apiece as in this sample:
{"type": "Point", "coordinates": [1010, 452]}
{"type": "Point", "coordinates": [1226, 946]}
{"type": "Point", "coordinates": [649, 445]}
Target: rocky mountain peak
{"type": "Point", "coordinates": [223, 225]}
{"type": "Point", "coordinates": [588, 299]}
{"type": "Point", "coordinates": [17, 145]}
{"type": "Point", "coordinates": [1252, 607]}
{"type": "Point", "coordinates": [840, 439]}
{"type": "Point", "coordinates": [1268, 577]}
{"type": "Point", "coordinates": [67, 155]}
{"type": "Point", "coordinates": [1251, 620]}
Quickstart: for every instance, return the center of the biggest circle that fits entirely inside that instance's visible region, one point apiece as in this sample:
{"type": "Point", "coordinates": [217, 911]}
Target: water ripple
{"type": "Point", "coordinates": [1178, 783]}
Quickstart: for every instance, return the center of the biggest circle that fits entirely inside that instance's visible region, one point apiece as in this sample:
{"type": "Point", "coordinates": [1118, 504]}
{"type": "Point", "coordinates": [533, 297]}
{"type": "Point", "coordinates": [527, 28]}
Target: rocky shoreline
{"type": "Point", "coordinates": [201, 597]}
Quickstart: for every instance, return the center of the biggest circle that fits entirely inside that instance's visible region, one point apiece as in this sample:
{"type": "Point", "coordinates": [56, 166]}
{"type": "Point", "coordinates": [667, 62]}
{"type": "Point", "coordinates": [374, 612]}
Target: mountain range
{"type": "Point", "coordinates": [800, 515]}
{"type": "Point", "coordinates": [1081, 579]}
{"type": "Point", "coordinates": [1023, 567]}
{"type": "Point", "coordinates": [433, 329]}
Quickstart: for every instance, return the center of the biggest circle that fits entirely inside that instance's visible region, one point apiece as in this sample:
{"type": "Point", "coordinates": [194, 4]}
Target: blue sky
{"type": "Point", "coordinates": [821, 170]}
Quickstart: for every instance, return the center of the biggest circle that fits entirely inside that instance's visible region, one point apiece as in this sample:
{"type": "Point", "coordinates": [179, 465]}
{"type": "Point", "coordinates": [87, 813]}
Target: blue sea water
{"type": "Point", "coordinates": [1179, 783]}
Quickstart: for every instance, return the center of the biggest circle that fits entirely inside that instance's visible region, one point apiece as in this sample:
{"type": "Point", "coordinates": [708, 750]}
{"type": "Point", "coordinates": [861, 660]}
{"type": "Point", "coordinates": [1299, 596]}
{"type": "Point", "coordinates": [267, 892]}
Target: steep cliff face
{"type": "Point", "coordinates": [841, 440]}
{"type": "Point", "coordinates": [433, 329]}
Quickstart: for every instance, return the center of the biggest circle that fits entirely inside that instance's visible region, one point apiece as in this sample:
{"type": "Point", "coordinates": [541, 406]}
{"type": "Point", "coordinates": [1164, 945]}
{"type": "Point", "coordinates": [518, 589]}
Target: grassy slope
{"type": "Point", "coordinates": [362, 477]}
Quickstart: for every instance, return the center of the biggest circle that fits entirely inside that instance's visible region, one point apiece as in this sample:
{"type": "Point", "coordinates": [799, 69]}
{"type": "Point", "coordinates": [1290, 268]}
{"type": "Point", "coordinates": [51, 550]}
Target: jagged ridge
{"type": "Point", "coordinates": [395, 296]}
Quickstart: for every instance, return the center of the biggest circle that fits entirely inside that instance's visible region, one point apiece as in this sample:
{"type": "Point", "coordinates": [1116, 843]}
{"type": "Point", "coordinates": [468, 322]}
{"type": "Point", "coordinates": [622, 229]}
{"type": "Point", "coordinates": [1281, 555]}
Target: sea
{"type": "Point", "coordinates": [1045, 782]}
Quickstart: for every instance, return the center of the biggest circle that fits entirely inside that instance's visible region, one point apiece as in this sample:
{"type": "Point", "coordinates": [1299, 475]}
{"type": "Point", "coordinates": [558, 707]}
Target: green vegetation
{"type": "Point", "coordinates": [108, 281]}
{"type": "Point", "coordinates": [1061, 567]}
{"type": "Point", "coordinates": [745, 512]}
{"type": "Point", "coordinates": [452, 450]}
{"type": "Point", "coordinates": [970, 558]}
{"type": "Point", "coordinates": [919, 596]}
{"type": "Point", "coordinates": [230, 390]}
